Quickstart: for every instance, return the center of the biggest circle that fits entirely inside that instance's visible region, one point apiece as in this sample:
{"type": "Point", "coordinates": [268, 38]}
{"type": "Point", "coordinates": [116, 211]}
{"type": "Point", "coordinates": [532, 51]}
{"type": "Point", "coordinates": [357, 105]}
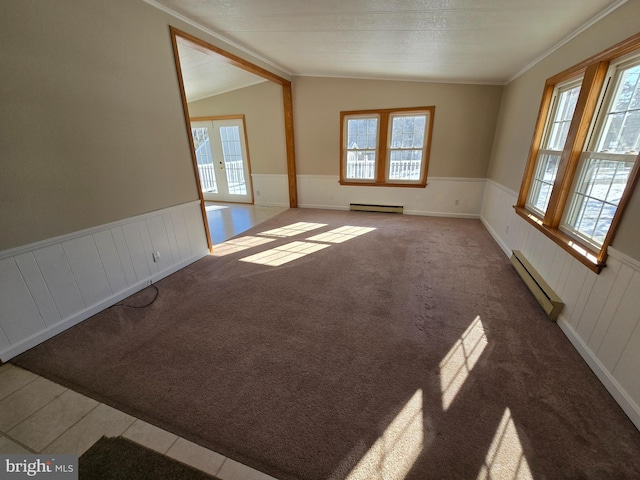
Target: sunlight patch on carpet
{"type": "Point", "coordinates": [284, 253]}
{"type": "Point", "coordinates": [505, 459]}
{"type": "Point", "coordinates": [238, 244]}
{"type": "Point", "coordinates": [458, 363]}
{"type": "Point", "coordinates": [293, 229]}
{"type": "Point", "coordinates": [342, 234]}
{"type": "Point", "coordinates": [392, 456]}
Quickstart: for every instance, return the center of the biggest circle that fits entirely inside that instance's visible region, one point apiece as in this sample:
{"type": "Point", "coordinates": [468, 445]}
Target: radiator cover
{"type": "Point", "coordinates": [546, 297]}
{"type": "Point", "coordinates": [367, 207]}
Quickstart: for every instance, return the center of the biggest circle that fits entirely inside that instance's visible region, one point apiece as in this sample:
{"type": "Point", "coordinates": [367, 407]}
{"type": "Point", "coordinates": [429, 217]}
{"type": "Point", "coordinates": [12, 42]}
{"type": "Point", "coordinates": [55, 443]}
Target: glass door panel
{"type": "Point", "coordinates": [223, 164]}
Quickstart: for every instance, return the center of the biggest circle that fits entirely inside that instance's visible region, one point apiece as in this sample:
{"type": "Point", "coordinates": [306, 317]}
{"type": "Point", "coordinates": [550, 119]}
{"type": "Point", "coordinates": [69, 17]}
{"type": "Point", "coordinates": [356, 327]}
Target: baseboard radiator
{"type": "Point", "coordinates": [367, 207]}
{"type": "Point", "coordinates": [550, 302]}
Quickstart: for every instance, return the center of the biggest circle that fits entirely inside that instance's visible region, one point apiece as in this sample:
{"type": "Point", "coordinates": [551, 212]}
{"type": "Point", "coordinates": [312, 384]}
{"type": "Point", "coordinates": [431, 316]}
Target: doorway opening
{"type": "Point", "coordinates": [232, 174]}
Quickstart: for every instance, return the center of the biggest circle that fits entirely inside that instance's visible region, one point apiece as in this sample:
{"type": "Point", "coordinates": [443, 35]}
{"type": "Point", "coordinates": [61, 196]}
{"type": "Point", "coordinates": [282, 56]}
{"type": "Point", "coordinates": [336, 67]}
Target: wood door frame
{"type": "Point", "coordinates": [287, 98]}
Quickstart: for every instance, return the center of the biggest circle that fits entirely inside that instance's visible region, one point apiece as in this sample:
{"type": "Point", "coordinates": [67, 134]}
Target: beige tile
{"type": "Point", "coordinates": [9, 447]}
{"type": "Point", "coordinates": [150, 436]}
{"type": "Point", "coordinates": [196, 456]}
{"type": "Point", "coordinates": [13, 379]}
{"type": "Point", "coordinates": [51, 421]}
{"type": "Point", "coordinates": [232, 470]}
{"type": "Point", "coordinates": [102, 420]}
{"type": "Point", "coordinates": [26, 401]}
{"type": "Point", "coordinates": [5, 366]}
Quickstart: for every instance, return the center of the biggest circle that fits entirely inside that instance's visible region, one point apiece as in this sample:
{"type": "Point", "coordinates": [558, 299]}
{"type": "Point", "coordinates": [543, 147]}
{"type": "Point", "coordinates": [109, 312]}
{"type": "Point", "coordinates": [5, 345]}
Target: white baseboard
{"type": "Point", "coordinates": [627, 404]}
{"type": "Point", "coordinates": [35, 339]}
{"type": "Point", "coordinates": [505, 248]}
{"type": "Point", "coordinates": [51, 285]}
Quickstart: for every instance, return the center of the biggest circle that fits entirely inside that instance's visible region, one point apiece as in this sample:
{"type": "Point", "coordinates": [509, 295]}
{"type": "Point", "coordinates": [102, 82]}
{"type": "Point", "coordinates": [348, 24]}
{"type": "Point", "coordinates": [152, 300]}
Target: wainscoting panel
{"type": "Point", "coordinates": [270, 190]}
{"type": "Point", "coordinates": [450, 197]}
{"type": "Point", "coordinates": [601, 316]}
{"type": "Point", "coordinates": [50, 286]}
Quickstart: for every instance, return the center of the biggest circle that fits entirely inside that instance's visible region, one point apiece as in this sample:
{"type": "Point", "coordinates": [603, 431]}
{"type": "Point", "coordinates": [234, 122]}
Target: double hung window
{"type": "Point", "coordinates": [606, 163]}
{"type": "Point", "coordinates": [583, 164]}
{"type": "Point", "coordinates": [386, 147]}
{"type": "Point", "coordinates": [563, 104]}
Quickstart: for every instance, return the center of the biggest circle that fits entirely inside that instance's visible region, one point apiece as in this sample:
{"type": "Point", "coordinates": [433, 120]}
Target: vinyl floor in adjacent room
{"type": "Point", "coordinates": [39, 416]}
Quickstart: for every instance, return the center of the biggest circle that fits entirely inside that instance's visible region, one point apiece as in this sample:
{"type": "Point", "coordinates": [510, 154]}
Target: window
{"type": "Point", "coordinates": [583, 164]}
{"type": "Point", "coordinates": [563, 103]}
{"type": "Point", "coordinates": [361, 147]}
{"type": "Point", "coordinates": [386, 147]}
{"type": "Point", "coordinates": [607, 163]}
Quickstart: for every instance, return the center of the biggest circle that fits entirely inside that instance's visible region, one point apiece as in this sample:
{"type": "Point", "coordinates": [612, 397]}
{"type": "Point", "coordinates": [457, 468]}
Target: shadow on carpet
{"type": "Point", "coordinates": [120, 459]}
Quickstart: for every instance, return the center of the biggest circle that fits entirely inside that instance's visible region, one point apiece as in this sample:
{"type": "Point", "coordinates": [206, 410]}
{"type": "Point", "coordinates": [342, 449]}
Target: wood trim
{"type": "Point", "coordinates": [381, 184]}
{"type": "Point", "coordinates": [389, 110]}
{"type": "Point", "coordinates": [622, 205]}
{"type": "Point", "coordinates": [220, 117]}
{"type": "Point", "coordinates": [192, 149]}
{"type": "Point", "coordinates": [230, 58]}
{"type": "Point", "coordinates": [342, 149]}
{"type": "Point", "coordinates": [287, 98]}
{"type": "Point", "coordinates": [256, 70]}
{"type": "Point", "coordinates": [427, 148]}
{"type": "Point", "coordinates": [580, 125]}
{"type": "Point", "coordinates": [538, 133]}
{"type": "Point", "coordinates": [382, 147]}
{"type": "Point", "coordinates": [586, 256]}
{"type": "Point", "coordinates": [246, 147]}
{"type": "Point", "coordinates": [383, 137]}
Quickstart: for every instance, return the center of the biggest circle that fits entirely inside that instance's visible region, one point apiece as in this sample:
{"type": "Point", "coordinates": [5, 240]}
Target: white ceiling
{"type": "Point", "coordinates": [467, 41]}
{"type": "Point", "coordinates": [206, 74]}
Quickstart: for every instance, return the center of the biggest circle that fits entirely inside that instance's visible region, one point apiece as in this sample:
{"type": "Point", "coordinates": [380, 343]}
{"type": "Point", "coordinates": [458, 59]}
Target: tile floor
{"type": "Point", "coordinates": [40, 416]}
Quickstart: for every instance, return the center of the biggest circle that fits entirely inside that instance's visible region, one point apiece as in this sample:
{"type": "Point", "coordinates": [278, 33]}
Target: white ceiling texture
{"type": "Point", "coordinates": [462, 41]}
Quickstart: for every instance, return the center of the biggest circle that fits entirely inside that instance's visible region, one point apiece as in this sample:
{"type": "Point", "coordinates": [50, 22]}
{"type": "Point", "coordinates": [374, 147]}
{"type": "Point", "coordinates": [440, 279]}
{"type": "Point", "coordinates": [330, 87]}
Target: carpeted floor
{"type": "Point", "coordinates": [116, 458]}
{"type": "Point", "coordinates": [410, 350]}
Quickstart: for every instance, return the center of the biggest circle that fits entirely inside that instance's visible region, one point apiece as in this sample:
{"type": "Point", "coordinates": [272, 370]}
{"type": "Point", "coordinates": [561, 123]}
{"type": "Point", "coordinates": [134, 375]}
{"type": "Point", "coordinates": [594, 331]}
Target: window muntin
{"type": "Point", "coordinates": [606, 165]}
{"type": "Point", "coordinates": [388, 147]}
{"type": "Point", "coordinates": [407, 145]}
{"type": "Point", "coordinates": [361, 147]}
{"type": "Point", "coordinates": [564, 102]}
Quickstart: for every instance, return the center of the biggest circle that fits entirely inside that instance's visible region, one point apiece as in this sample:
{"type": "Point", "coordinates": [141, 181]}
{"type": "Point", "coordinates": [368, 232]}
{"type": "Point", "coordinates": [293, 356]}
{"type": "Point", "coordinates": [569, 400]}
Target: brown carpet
{"type": "Point", "coordinates": [413, 349]}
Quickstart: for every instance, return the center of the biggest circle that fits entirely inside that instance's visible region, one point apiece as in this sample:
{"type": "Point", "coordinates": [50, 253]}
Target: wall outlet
{"type": "Point", "coordinates": [457, 202]}
{"type": "Point", "coordinates": [156, 256]}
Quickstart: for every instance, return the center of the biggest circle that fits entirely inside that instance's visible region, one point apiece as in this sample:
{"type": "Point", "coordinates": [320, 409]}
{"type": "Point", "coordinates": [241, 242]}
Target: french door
{"type": "Point", "coordinates": [223, 164]}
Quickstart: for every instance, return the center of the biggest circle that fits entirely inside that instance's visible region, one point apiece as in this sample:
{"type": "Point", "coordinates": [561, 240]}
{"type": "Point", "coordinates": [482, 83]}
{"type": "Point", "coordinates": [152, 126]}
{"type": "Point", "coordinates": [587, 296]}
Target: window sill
{"type": "Point", "coordinates": [586, 255]}
{"type": "Point", "coordinates": [382, 184]}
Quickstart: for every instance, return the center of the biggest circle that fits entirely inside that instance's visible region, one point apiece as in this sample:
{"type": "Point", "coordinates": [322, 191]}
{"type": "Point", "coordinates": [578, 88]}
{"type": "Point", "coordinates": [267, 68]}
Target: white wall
{"type": "Point", "coordinates": [52, 285]}
{"type": "Point", "coordinates": [443, 196]}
